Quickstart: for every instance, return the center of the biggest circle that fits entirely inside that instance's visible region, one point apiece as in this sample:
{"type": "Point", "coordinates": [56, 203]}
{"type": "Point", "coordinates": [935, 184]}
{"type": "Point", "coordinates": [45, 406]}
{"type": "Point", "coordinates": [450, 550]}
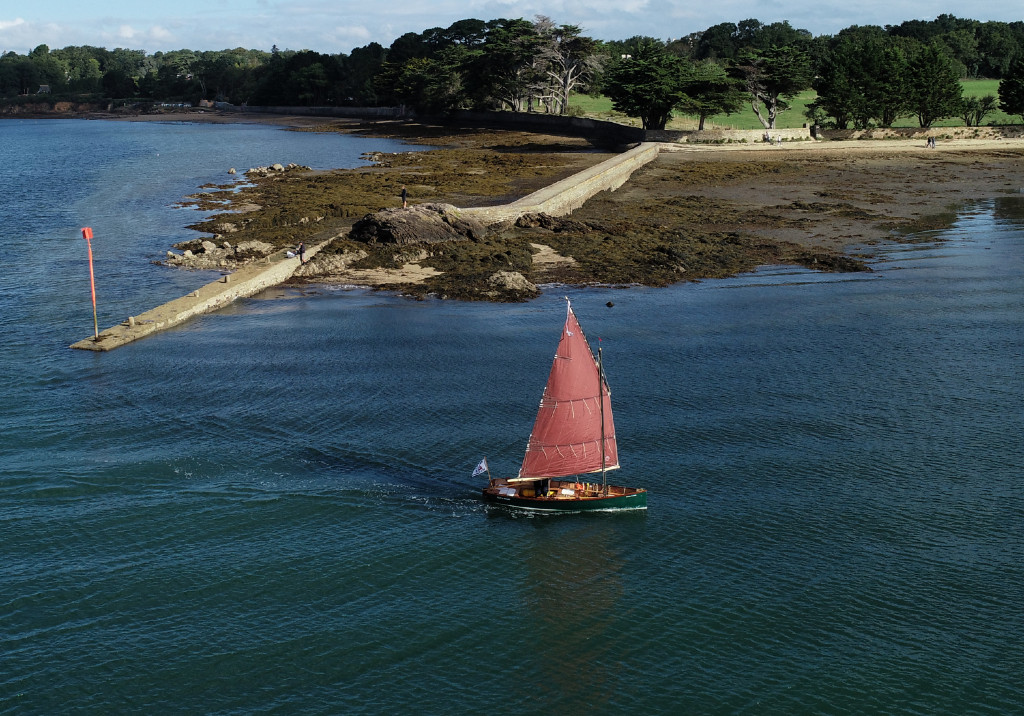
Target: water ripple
{"type": "Point", "coordinates": [272, 508]}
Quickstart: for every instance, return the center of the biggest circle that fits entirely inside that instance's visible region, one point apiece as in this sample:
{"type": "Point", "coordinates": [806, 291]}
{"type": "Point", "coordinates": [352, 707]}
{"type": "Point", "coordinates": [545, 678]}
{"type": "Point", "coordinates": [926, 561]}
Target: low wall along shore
{"type": "Point", "coordinates": [612, 134]}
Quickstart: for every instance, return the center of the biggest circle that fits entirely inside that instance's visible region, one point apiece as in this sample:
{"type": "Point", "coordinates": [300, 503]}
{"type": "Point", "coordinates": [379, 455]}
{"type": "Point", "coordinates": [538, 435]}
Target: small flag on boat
{"type": "Point", "coordinates": [481, 468]}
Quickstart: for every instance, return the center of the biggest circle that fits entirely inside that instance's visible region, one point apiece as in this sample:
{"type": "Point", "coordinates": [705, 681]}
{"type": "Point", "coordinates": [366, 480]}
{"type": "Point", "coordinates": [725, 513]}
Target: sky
{"type": "Point", "coordinates": [337, 26]}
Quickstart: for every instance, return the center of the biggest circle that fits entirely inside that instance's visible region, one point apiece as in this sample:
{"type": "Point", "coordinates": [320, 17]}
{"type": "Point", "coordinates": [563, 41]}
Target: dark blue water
{"type": "Point", "coordinates": [270, 509]}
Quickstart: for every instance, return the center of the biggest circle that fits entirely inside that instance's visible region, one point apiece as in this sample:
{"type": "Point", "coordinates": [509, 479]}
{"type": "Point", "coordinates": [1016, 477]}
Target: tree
{"type": "Point", "coordinates": [311, 84]}
{"type": "Point", "coordinates": [83, 67]}
{"type": "Point", "coordinates": [118, 85]}
{"type": "Point", "coordinates": [428, 85]}
{"type": "Point", "coordinates": [962, 47]}
{"type": "Point", "coordinates": [727, 41]}
{"type": "Point", "coordinates": [617, 48]}
{"type": "Point", "coordinates": [862, 78]}
{"type": "Point", "coordinates": [997, 46]}
{"type": "Point", "coordinates": [470, 33]}
{"type": "Point", "coordinates": [229, 75]}
{"type": "Point", "coordinates": [131, 62]}
{"type": "Point", "coordinates": [1011, 89]}
{"type": "Point", "coordinates": [685, 46]}
{"type": "Point", "coordinates": [842, 77]}
{"type": "Point", "coordinates": [52, 69]}
{"type": "Point", "coordinates": [771, 77]}
{"type": "Point", "coordinates": [357, 83]}
{"type": "Point", "coordinates": [18, 75]}
{"type": "Point", "coordinates": [888, 80]}
{"type": "Point", "coordinates": [505, 69]}
{"type": "Point", "coordinates": [780, 34]}
{"type": "Point", "coordinates": [974, 109]}
{"type": "Point", "coordinates": [708, 91]}
{"type": "Point", "coordinates": [648, 84]}
{"type": "Point", "coordinates": [717, 42]}
{"type": "Point", "coordinates": [570, 60]}
{"type": "Point", "coordinates": [934, 88]}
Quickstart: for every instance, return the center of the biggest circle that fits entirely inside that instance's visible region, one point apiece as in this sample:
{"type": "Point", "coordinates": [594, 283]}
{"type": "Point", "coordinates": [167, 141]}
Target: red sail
{"type": "Point", "coordinates": [566, 437]}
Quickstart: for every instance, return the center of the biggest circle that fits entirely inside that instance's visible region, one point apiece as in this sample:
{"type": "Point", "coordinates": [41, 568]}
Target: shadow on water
{"type": "Point", "coordinates": [1009, 209]}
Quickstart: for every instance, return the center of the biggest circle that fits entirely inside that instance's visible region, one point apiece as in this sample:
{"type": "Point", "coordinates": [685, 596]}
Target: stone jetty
{"type": "Point", "coordinates": [559, 199]}
{"type": "Point", "coordinates": [248, 280]}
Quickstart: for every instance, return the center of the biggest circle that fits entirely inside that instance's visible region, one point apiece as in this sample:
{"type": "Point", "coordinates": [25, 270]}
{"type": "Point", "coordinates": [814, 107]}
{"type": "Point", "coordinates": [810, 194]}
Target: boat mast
{"type": "Point", "coordinates": [600, 396]}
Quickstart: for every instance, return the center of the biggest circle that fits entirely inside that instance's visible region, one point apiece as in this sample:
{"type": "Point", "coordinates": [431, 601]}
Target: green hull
{"type": "Point", "coordinates": [636, 500]}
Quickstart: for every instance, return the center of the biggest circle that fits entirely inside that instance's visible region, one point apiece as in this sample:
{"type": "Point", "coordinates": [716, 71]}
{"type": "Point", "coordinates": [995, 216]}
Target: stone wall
{"type": "Point", "coordinates": [565, 196]}
{"type": "Point", "coordinates": [598, 132]}
{"type": "Point", "coordinates": [727, 136]}
{"type": "Point", "coordinates": [340, 112]}
{"type": "Point", "coordinates": [921, 134]}
{"type": "Point", "coordinates": [604, 133]}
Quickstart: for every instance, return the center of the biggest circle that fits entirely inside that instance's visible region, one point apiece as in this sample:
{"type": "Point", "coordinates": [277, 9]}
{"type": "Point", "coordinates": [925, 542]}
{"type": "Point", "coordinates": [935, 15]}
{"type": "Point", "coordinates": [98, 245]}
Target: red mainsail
{"type": "Point", "coordinates": [566, 437]}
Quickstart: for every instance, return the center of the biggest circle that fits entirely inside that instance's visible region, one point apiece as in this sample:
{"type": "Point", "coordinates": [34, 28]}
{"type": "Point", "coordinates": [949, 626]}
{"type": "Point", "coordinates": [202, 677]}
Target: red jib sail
{"type": "Point", "coordinates": [566, 437]}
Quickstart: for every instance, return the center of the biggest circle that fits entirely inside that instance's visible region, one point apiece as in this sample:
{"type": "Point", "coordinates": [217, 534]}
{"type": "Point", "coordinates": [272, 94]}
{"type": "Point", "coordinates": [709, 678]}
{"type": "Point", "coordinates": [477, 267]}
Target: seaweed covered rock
{"type": "Point", "coordinates": [830, 262]}
{"type": "Point", "coordinates": [511, 281]}
{"type": "Point", "coordinates": [424, 223]}
{"type": "Point", "coordinates": [328, 264]}
{"type": "Point", "coordinates": [551, 223]}
{"type": "Point", "coordinates": [204, 254]}
{"type": "Point", "coordinates": [248, 250]}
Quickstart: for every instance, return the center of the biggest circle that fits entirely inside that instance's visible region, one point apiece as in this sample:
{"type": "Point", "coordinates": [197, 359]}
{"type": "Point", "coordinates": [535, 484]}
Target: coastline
{"type": "Point", "coordinates": [831, 195]}
{"type": "Point", "coordinates": [715, 210]}
{"type": "Point", "coordinates": [819, 204]}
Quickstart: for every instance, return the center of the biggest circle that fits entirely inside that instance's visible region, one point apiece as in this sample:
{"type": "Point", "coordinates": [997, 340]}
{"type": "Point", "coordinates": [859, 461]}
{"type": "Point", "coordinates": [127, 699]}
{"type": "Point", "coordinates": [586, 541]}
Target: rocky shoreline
{"type": "Point", "coordinates": [700, 212]}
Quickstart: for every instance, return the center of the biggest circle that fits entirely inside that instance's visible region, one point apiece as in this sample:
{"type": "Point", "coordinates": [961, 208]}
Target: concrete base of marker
{"type": "Point", "coordinates": [247, 281]}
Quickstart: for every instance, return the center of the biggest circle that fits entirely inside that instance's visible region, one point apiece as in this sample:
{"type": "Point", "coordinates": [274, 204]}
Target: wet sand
{"type": "Point", "coordinates": [828, 195]}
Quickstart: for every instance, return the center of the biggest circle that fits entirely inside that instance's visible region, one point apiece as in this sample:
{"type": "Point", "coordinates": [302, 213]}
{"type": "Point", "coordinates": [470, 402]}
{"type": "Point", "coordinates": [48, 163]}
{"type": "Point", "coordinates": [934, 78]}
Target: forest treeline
{"type": "Point", "coordinates": [863, 76]}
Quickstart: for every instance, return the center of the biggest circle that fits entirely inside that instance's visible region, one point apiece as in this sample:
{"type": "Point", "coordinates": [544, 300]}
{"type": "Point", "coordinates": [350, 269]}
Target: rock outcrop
{"type": "Point", "coordinates": [511, 281]}
{"type": "Point", "coordinates": [274, 169]}
{"type": "Point", "coordinates": [424, 223]}
{"type": "Point", "coordinates": [204, 254]}
{"type": "Point", "coordinates": [325, 265]}
{"type": "Point", "coordinates": [551, 223]}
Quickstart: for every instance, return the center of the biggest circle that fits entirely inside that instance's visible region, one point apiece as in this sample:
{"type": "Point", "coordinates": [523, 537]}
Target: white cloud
{"type": "Point", "coordinates": [358, 32]}
{"type": "Point", "coordinates": [339, 25]}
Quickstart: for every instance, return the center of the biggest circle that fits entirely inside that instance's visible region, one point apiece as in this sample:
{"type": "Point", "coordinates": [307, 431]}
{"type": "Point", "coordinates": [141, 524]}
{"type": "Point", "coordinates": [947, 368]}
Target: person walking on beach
{"type": "Point", "coordinates": [405, 197]}
{"type": "Point", "coordinates": [302, 252]}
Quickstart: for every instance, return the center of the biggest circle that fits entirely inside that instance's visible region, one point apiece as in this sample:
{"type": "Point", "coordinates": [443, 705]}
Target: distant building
{"type": "Point", "coordinates": [44, 89]}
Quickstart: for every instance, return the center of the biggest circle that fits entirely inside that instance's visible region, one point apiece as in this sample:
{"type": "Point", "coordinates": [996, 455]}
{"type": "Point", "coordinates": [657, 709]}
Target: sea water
{"type": "Point", "coordinates": [270, 508]}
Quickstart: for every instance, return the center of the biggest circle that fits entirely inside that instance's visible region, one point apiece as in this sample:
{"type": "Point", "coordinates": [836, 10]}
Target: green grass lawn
{"type": "Point", "coordinates": [601, 108]}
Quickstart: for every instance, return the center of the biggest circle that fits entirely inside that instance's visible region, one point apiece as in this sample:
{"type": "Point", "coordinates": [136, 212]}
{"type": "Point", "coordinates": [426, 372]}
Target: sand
{"type": "Point", "coordinates": [837, 194]}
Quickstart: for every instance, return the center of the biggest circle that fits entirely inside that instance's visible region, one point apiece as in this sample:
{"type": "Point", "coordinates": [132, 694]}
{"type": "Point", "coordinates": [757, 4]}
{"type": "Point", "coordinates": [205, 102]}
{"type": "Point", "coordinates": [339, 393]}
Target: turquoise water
{"type": "Point", "coordinates": [270, 508]}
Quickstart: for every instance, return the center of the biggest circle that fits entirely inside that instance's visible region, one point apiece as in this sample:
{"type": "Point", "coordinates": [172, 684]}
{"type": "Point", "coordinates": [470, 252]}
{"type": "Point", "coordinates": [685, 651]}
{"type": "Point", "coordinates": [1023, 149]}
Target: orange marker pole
{"type": "Point", "coordinates": [87, 235]}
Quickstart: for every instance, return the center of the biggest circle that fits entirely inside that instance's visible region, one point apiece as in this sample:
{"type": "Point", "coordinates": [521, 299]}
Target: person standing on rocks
{"type": "Point", "coordinates": [302, 252]}
{"type": "Point", "coordinates": [405, 197]}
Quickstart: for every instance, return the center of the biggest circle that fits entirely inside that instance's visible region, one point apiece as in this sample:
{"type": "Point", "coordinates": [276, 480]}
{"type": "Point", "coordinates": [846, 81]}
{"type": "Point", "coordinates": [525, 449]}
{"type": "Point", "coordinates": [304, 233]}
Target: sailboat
{"type": "Point", "coordinates": [573, 438]}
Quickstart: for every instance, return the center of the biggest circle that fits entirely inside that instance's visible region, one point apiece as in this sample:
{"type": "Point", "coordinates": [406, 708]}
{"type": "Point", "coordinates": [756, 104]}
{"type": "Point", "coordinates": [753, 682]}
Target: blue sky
{"type": "Point", "coordinates": [333, 26]}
